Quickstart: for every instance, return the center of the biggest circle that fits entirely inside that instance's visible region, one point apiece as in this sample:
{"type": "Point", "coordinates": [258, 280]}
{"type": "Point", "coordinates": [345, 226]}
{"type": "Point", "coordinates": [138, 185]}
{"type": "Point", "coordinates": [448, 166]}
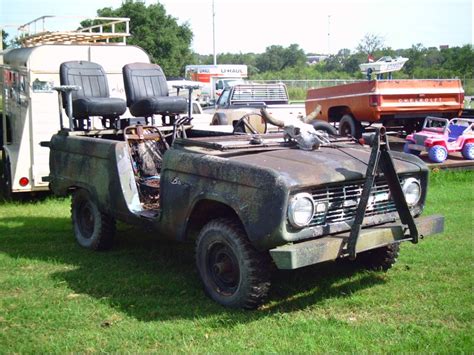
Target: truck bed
{"type": "Point", "coordinates": [378, 99]}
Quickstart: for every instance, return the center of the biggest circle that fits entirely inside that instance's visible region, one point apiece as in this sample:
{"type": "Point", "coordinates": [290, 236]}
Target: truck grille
{"type": "Point", "coordinates": [343, 200]}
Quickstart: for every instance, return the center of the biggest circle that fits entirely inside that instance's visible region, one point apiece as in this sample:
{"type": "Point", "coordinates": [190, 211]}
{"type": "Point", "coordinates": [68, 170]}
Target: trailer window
{"type": "Point", "coordinates": [42, 86]}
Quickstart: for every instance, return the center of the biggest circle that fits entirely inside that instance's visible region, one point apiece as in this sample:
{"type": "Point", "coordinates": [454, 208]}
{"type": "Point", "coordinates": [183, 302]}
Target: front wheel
{"type": "Point", "coordinates": [380, 259]}
{"type": "Point", "coordinates": [233, 273]}
{"type": "Point", "coordinates": [438, 153]}
{"type": "Point", "coordinates": [406, 149]}
{"type": "Point", "coordinates": [93, 229]}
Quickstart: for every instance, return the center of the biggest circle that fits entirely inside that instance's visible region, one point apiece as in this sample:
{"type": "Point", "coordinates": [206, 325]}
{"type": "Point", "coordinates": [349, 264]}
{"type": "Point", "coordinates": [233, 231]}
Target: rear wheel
{"type": "Point", "coordinates": [219, 119]}
{"type": "Point", "coordinates": [348, 126]}
{"type": "Point", "coordinates": [93, 229]}
{"type": "Point", "coordinates": [380, 259]}
{"type": "Point", "coordinates": [438, 153]}
{"type": "Point", "coordinates": [233, 273]}
{"type": "Point", "coordinates": [468, 151]}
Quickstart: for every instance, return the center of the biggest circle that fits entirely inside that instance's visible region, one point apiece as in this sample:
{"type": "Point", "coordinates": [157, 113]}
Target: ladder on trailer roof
{"type": "Point", "coordinates": [102, 30]}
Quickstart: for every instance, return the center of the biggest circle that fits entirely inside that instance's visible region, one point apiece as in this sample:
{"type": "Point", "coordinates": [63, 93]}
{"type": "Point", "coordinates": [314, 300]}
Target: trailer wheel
{"type": "Point", "coordinates": [348, 126]}
{"type": "Point", "coordinates": [233, 273]}
{"type": "Point", "coordinates": [93, 229]}
{"type": "Point", "coordinates": [468, 151]}
{"type": "Point", "coordinates": [380, 259]}
{"type": "Point", "coordinates": [6, 178]}
{"type": "Point", "coordinates": [320, 125]}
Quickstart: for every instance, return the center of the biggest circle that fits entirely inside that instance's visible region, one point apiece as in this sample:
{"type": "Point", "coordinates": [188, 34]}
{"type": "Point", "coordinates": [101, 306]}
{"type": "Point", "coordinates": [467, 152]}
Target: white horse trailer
{"type": "Point", "coordinates": [30, 105]}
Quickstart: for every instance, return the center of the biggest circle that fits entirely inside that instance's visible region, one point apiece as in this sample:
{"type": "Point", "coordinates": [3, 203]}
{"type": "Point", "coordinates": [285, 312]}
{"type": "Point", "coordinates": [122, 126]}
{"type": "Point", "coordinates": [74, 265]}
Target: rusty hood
{"type": "Point", "coordinates": [300, 168]}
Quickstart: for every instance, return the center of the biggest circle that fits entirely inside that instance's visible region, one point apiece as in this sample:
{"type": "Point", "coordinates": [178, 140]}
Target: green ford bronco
{"type": "Point", "coordinates": [252, 203]}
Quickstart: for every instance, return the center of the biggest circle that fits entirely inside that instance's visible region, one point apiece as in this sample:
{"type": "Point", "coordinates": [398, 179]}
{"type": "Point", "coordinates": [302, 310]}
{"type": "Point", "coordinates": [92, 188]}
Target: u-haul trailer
{"type": "Point", "coordinates": [30, 105]}
{"type": "Point", "coordinates": [215, 78]}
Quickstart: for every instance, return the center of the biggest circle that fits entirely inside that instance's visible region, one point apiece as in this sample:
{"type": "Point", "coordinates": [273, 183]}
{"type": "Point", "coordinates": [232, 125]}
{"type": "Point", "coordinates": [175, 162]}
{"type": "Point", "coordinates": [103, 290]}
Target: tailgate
{"type": "Point", "coordinates": [419, 96]}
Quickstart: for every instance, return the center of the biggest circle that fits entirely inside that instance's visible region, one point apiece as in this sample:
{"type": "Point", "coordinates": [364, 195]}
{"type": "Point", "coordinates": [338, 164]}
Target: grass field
{"type": "Point", "coordinates": [145, 295]}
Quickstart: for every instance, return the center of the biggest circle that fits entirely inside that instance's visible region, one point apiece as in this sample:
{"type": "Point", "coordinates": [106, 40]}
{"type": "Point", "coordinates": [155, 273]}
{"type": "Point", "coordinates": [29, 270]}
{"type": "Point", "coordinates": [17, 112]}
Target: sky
{"type": "Point", "coordinates": [317, 26]}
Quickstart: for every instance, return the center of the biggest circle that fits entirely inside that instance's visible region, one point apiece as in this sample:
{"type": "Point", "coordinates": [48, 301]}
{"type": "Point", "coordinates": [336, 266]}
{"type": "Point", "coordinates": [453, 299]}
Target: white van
{"type": "Point", "coordinates": [30, 105]}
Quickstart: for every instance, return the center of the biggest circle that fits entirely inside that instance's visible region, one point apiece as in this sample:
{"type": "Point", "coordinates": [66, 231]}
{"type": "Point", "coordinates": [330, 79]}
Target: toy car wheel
{"type": "Point", "coordinates": [407, 150]}
{"type": "Point", "coordinates": [468, 151]}
{"type": "Point", "coordinates": [348, 126]}
{"type": "Point", "coordinates": [233, 273]}
{"type": "Point", "coordinates": [438, 153]}
{"type": "Point", "coordinates": [93, 229]}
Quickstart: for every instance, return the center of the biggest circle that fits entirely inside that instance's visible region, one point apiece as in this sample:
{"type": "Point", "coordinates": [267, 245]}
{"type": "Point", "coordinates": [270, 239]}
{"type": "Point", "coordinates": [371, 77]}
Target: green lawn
{"type": "Point", "coordinates": [145, 295]}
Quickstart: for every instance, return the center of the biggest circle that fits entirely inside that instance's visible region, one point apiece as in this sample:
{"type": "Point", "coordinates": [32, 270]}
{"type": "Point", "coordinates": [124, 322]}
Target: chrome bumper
{"type": "Point", "coordinates": [294, 256]}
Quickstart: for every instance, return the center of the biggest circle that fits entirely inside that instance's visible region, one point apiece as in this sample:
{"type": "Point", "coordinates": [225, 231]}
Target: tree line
{"type": "Point", "coordinates": [169, 44]}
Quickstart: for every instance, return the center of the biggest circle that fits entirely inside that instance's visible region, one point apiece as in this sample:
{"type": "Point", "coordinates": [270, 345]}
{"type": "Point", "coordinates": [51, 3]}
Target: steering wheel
{"type": "Point", "coordinates": [253, 123]}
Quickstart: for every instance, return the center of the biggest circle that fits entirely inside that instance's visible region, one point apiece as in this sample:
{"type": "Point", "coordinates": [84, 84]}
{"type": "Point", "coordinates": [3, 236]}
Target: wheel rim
{"type": "Point", "coordinates": [440, 154]}
{"type": "Point", "coordinates": [86, 220]}
{"type": "Point", "coordinates": [222, 266]}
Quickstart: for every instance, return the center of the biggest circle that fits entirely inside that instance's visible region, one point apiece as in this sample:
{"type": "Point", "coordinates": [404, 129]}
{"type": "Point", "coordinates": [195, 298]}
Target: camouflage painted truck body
{"type": "Point", "coordinates": [234, 178]}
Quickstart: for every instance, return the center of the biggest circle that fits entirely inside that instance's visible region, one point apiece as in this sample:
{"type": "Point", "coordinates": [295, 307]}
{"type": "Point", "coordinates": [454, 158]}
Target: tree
{"type": "Point", "coordinates": [167, 42]}
{"type": "Point", "coordinates": [277, 58]}
{"type": "Point", "coordinates": [4, 39]}
{"type": "Point", "coordinates": [370, 43]}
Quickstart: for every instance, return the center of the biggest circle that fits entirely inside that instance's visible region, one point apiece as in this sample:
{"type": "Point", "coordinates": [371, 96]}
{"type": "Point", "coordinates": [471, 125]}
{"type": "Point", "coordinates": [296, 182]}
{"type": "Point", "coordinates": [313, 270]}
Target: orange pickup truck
{"type": "Point", "coordinates": [401, 104]}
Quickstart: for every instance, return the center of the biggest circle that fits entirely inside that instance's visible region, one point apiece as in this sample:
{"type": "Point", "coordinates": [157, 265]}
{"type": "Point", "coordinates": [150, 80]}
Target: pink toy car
{"type": "Point", "coordinates": [439, 137]}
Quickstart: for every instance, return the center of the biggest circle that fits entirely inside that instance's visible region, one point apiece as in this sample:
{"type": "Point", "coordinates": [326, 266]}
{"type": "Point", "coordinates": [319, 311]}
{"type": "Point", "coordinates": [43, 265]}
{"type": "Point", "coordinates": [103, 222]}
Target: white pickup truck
{"type": "Point", "coordinates": [246, 100]}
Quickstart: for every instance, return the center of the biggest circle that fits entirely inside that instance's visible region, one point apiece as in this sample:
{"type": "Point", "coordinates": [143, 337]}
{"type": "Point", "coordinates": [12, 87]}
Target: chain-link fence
{"type": "Point", "coordinates": [297, 88]}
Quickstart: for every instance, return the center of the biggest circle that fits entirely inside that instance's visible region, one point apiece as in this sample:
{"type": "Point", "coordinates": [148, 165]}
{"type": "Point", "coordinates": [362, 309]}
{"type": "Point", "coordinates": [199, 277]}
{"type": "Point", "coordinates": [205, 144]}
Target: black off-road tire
{"type": "Point", "coordinates": [93, 229]}
{"type": "Point", "coordinates": [320, 125]}
{"type": "Point", "coordinates": [233, 273]}
{"type": "Point", "coordinates": [380, 259]}
{"type": "Point", "coordinates": [349, 126]}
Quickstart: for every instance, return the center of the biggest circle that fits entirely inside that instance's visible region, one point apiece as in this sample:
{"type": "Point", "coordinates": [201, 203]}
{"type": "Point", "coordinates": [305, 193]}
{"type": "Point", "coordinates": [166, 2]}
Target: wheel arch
{"type": "Point", "coordinates": [335, 113]}
{"type": "Point", "coordinates": [205, 210]}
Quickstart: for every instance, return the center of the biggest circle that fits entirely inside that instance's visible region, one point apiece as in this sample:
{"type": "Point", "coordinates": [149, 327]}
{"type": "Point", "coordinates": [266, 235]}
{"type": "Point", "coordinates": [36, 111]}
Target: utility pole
{"type": "Point", "coordinates": [214, 33]}
{"type": "Point", "coordinates": [329, 34]}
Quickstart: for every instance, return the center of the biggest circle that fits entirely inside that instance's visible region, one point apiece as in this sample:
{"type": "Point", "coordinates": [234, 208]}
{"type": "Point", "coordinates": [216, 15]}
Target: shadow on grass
{"type": "Point", "coordinates": [150, 279]}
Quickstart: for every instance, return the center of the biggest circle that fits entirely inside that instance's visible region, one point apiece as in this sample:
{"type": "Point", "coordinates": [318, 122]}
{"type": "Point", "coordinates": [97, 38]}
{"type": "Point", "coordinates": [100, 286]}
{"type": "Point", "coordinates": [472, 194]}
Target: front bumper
{"type": "Point", "coordinates": [294, 256]}
{"type": "Point", "coordinates": [414, 146]}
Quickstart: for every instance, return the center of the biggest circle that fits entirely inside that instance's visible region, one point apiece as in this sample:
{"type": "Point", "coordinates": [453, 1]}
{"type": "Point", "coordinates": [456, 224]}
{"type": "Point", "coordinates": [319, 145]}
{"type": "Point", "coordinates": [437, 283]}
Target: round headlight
{"type": "Point", "coordinates": [301, 209]}
{"type": "Point", "coordinates": [412, 190]}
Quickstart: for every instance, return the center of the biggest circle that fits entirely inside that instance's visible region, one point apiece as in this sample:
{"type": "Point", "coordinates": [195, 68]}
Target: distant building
{"type": "Point", "coordinates": [444, 46]}
{"type": "Point", "coordinates": [315, 58]}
